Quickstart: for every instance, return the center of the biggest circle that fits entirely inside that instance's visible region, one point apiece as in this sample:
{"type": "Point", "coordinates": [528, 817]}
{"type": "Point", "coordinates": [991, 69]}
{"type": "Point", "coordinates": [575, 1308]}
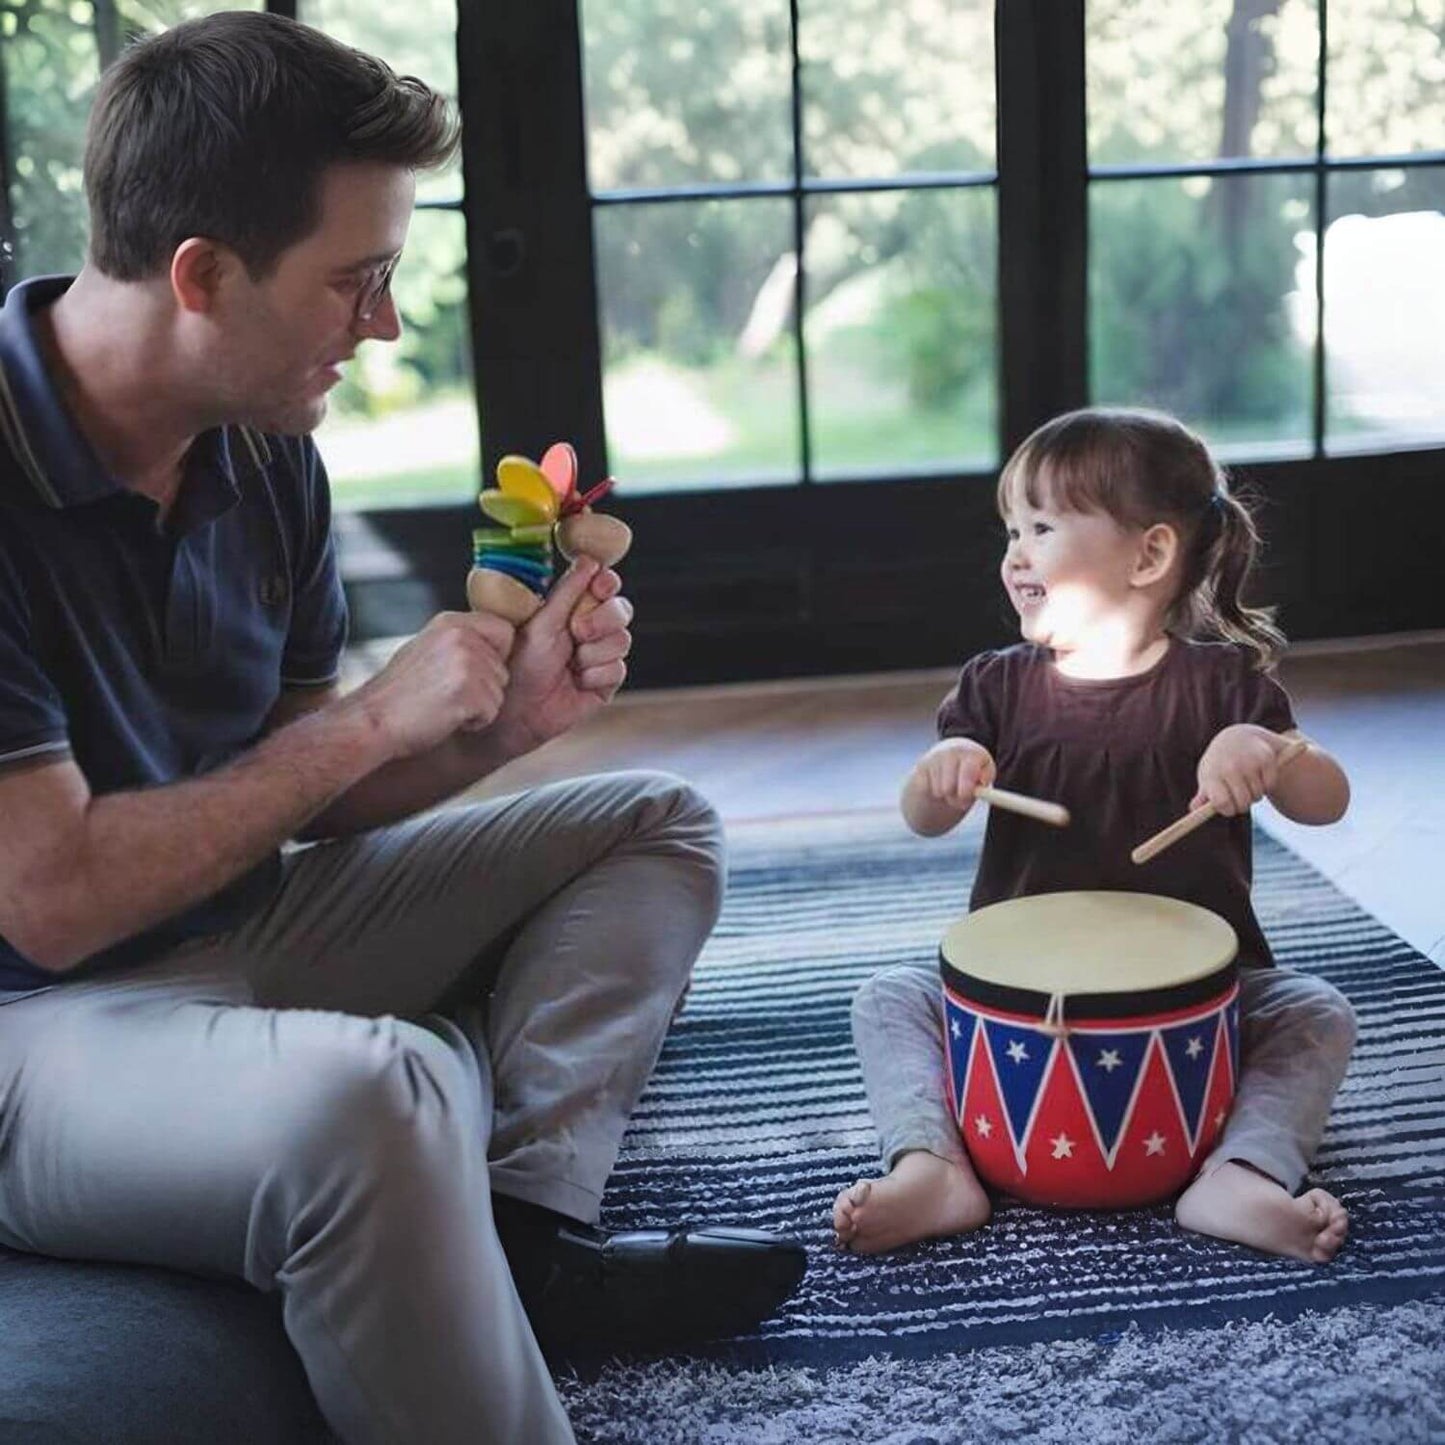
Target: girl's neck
{"type": "Point", "coordinates": [1106, 658]}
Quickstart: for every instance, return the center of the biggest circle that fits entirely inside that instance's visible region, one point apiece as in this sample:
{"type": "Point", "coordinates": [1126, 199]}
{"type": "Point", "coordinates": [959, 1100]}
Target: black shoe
{"type": "Point", "coordinates": [590, 1292]}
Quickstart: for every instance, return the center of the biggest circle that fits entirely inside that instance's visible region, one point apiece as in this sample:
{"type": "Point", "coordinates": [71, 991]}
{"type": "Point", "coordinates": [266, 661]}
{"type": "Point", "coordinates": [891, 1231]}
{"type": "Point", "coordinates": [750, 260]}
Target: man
{"type": "Point", "coordinates": [353, 1071]}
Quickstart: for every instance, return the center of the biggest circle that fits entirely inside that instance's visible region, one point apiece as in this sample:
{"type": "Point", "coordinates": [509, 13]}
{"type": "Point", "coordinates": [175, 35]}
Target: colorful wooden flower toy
{"type": "Point", "coordinates": [535, 506]}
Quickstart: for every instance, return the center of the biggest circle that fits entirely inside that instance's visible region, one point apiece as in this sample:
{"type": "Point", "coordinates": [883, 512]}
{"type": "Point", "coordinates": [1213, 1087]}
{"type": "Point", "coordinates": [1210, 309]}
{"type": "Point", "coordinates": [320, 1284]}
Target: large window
{"type": "Point", "coordinates": [51, 55]}
{"type": "Point", "coordinates": [741, 252]}
{"type": "Point", "coordinates": [1251, 159]}
{"type": "Point", "coordinates": [402, 426]}
{"type": "Point", "coordinates": [751, 165]}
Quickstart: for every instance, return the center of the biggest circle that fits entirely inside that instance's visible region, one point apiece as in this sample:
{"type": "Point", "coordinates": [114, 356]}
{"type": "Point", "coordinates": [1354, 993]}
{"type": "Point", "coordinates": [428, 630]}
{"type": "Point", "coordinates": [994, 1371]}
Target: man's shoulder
{"type": "Point", "coordinates": [272, 452]}
{"type": "Point", "coordinates": [290, 466]}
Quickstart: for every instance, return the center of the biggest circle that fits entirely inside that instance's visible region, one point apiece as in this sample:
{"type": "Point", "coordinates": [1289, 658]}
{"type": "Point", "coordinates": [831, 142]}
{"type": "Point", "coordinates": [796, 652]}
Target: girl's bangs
{"type": "Point", "coordinates": [1063, 479]}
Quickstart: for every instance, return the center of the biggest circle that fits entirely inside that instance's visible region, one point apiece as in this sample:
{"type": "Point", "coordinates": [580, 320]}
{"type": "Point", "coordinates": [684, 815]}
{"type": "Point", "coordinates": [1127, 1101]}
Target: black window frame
{"type": "Point", "coordinates": [873, 574]}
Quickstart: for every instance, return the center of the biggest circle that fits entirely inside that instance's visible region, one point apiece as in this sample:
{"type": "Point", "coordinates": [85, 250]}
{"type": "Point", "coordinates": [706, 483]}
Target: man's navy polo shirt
{"type": "Point", "coordinates": [151, 654]}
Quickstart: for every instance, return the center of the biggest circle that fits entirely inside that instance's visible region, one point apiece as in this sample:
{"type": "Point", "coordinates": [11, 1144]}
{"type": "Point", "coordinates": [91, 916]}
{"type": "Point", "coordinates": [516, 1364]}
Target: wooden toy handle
{"type": "Point", "coordinates": [1197, 817]}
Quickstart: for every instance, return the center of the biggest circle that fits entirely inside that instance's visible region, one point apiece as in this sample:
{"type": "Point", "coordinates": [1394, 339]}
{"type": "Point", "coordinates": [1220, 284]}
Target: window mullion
{"type": "Point", "coordinates": [530, 264]}
{"type": "Point", "coordinates": [8, 257]}
{"type": "Point", "coordinates": [1321, 201]}
{"type": "Point", "coordinates": [1043, 216]}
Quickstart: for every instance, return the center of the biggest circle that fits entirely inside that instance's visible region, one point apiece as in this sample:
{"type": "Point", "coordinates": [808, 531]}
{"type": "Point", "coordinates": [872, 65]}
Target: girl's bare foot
{"type": "Point", "coordinates": [921, 1196]}
{"type": "Point", "coordinates": [1239, 1203]}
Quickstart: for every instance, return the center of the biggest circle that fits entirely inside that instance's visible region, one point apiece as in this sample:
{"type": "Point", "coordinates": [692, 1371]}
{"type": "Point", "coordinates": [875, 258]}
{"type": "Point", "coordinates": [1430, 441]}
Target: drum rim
{"type": "Point", "coordinates": [1084, 1007]}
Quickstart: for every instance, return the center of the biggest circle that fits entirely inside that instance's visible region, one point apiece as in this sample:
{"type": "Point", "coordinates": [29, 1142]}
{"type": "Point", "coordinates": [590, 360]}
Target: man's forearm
{"type": "Point", "coordinates": [137, 858]}
{"type": "Point", "coordinates": [410, 785]}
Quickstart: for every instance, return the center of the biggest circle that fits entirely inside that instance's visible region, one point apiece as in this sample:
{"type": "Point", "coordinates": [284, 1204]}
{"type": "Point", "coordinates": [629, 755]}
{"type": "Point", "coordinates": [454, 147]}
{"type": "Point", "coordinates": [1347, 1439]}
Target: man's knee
{"type": "Point", "coordinates": [670, 808]}
{"type": "Point", "coordinates": [675, 822]}
{"type": "Point", "coordinates": [377, 1097]}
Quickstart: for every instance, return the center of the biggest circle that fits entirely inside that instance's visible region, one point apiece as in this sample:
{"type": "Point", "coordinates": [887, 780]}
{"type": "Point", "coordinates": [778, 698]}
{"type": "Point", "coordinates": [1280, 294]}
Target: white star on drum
{"type": "Point", "coordinates": [1063, 1147]}
{"type": "Point", "coordinates": [1154, 1144]}
{"type": "Point", "coordinates": [1194, 1047]}
{"type": "Point", "coordinates": [1109, 1060]}
{"type": "Point", "coordinates": [1017, 1052]}
{"type": "Point", "coordinates": [982, 1127]}
{"type": "Point", "coordinates": [957, 1032]}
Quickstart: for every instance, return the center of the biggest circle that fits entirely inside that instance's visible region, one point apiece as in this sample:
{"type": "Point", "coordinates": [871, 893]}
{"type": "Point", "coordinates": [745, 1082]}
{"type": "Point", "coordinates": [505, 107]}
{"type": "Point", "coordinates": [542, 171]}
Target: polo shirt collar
{"type": "Point", "coordinates": [54, 455]}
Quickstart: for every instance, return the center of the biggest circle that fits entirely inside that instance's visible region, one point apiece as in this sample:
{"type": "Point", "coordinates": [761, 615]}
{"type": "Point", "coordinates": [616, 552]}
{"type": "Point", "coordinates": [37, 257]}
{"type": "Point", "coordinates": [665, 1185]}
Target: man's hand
{"type": "Point", "coordinates": [1239, 767]}
{"type": "Point", "coordinates": [451, 677]}
{"type": "Point", "coordinates": [564, 668]}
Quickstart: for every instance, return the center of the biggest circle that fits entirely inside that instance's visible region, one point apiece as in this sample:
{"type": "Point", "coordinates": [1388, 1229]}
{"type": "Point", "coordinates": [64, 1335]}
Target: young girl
{"type": "Point", "coordinates": [1141, 689]}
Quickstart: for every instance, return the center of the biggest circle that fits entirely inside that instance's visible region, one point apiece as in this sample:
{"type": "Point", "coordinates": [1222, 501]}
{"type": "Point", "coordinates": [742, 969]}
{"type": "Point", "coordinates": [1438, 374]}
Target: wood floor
{"type": "Point", "coordinates": [774, 749]}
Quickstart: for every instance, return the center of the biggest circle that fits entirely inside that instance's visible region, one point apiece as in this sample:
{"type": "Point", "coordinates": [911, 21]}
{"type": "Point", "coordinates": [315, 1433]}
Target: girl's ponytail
{"type": "Point", "coordinates": [1227, 545]}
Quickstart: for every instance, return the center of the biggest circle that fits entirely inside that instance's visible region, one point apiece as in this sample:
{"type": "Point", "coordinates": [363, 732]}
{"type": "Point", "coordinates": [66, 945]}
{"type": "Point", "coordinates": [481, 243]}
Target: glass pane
{"type": "Point", "coordinates": [1386, 77]}
{"type": "Point", "coordinates": [679, 93]}
{"type": "Point", "coordinates": [699, 355]}
{"type": "Point", "coordinates": [1385, 310]}
{"type": "Point", "coordinates": [897, 88]}
{"type": "Point", "coordinates": [403, 424]}
{"type": "Point", "coordinates": [51, 56]}
{"type": "Point", "coordinates": [1201, 304]}
{"type": "Point", "coordinates": [901, 331]}
{"type": "Point", "coordinates": [418, 38]}
{"type": "Point", "coordinates": [1170, 83]}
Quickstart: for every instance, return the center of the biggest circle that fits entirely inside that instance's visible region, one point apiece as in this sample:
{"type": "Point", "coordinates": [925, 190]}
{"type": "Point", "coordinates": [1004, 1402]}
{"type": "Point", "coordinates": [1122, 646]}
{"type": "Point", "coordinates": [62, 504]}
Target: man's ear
{"type": "Point", "coordinates": [1157, 554]}
{"type": "Point", "coordinates": [199, 269]}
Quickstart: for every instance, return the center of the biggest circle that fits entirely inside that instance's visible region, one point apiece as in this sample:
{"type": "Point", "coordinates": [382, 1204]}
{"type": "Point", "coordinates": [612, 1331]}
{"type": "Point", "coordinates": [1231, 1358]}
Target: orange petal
{"type": "Point", "coordinates": [559, 466]}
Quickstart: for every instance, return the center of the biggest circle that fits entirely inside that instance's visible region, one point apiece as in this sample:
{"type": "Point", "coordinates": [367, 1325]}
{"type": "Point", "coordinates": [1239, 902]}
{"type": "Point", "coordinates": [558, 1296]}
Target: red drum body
{"type": "Point", "coordinates": [1093, 1044]}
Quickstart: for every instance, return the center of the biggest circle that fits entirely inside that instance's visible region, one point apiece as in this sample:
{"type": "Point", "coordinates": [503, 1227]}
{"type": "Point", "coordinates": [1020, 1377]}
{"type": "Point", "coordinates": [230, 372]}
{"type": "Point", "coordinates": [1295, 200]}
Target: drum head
{"type": "Point", "coordinates": [1090, 943]}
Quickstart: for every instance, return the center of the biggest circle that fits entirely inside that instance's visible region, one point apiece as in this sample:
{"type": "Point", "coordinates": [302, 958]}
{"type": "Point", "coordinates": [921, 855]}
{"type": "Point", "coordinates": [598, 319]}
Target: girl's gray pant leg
{"type": "Point", "coordinates": [1296, 1033]}
{"type": "Point", "coordinates": [898, 1033]}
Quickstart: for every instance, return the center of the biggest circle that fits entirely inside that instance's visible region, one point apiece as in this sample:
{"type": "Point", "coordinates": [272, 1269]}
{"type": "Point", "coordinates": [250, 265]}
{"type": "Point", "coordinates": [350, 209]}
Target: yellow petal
{"type": "Point", "coordinates": [514, 511]}
{"type": "Point", "coordinates": [518, 477]}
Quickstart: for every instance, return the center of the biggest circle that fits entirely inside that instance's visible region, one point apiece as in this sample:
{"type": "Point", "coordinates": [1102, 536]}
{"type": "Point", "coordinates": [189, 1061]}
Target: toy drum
{"type": "Point", "coordinates": [1093, 1044]}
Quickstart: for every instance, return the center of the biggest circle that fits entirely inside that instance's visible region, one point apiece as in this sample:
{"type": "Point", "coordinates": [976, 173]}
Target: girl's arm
{"type": "Point", "coordinates": [1241, 766]}
{"type": "Point", "coordinates": [1313, 788]}
{"type": "Point", "coordinates": [939, 791]}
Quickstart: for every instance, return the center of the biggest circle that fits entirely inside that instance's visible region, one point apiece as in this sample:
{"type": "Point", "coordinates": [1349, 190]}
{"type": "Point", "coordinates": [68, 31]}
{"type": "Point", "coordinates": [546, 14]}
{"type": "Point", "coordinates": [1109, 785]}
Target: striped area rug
{"type": "Point", "coordinates": [756, 1116]}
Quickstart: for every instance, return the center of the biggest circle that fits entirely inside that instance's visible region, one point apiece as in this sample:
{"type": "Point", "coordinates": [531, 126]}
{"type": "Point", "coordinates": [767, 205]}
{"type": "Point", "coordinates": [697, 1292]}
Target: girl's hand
{"type": "Point", "coordinates": [951, 771]}
{"type": "Point", "coordinates": [1239, 767]}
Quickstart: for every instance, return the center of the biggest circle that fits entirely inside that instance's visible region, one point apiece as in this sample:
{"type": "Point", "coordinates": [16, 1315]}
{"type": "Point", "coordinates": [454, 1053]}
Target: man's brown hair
{"type": "Point", "coordinates": [223, 126]}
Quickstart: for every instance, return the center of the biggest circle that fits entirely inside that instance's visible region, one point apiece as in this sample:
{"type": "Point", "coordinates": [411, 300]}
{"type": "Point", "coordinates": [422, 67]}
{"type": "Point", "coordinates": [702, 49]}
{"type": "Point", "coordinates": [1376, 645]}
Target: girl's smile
{"type": "Point", "coordinates": [1074, 580]}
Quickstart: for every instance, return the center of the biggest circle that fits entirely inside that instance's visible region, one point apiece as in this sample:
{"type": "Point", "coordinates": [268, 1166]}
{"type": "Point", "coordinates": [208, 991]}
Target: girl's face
{"type": "Point", "coordinates": [1068, 573]}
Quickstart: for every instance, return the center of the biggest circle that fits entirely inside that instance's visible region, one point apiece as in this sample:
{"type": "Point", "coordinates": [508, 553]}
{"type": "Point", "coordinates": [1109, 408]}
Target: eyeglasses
{"type": "Point", "coordinates": [373, 291]}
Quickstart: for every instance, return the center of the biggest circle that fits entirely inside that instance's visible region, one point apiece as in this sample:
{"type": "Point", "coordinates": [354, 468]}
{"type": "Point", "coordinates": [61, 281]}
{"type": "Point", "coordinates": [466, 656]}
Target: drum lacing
{"type": "Point", "coordinates": [1053, 1023]}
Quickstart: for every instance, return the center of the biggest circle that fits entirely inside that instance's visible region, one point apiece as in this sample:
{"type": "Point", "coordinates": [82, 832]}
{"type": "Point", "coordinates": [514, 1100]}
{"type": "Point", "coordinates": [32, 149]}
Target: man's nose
{"type": "Point", "coordinates": [384, 324]}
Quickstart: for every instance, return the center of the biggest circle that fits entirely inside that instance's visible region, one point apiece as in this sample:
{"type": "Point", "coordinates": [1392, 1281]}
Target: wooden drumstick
{"type": "Point", "coordinates": [1052, 813]}
{"type": "Point", "coordinates": [1196, 817]}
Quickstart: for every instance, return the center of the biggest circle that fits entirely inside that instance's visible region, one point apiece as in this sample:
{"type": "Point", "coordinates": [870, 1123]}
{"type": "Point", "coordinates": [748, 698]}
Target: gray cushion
{"type": "Point", "coordinates": [133, 1356]}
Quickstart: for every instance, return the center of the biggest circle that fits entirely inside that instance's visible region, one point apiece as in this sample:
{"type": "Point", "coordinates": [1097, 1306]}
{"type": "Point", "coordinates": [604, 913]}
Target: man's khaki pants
{"type": "Point", "coordinates": [322, 1101]}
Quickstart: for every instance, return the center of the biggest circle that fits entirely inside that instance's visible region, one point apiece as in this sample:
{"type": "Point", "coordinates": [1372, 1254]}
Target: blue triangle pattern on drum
{"type": "Point", "coordinates": [1020, 1057]}
{"type": "Point", "coordinates": [1189, 1048]}
{"type": "Point", "coordinates": [960, 1046]}
{"type": "Point", "coordinates": [1108, 1067]}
